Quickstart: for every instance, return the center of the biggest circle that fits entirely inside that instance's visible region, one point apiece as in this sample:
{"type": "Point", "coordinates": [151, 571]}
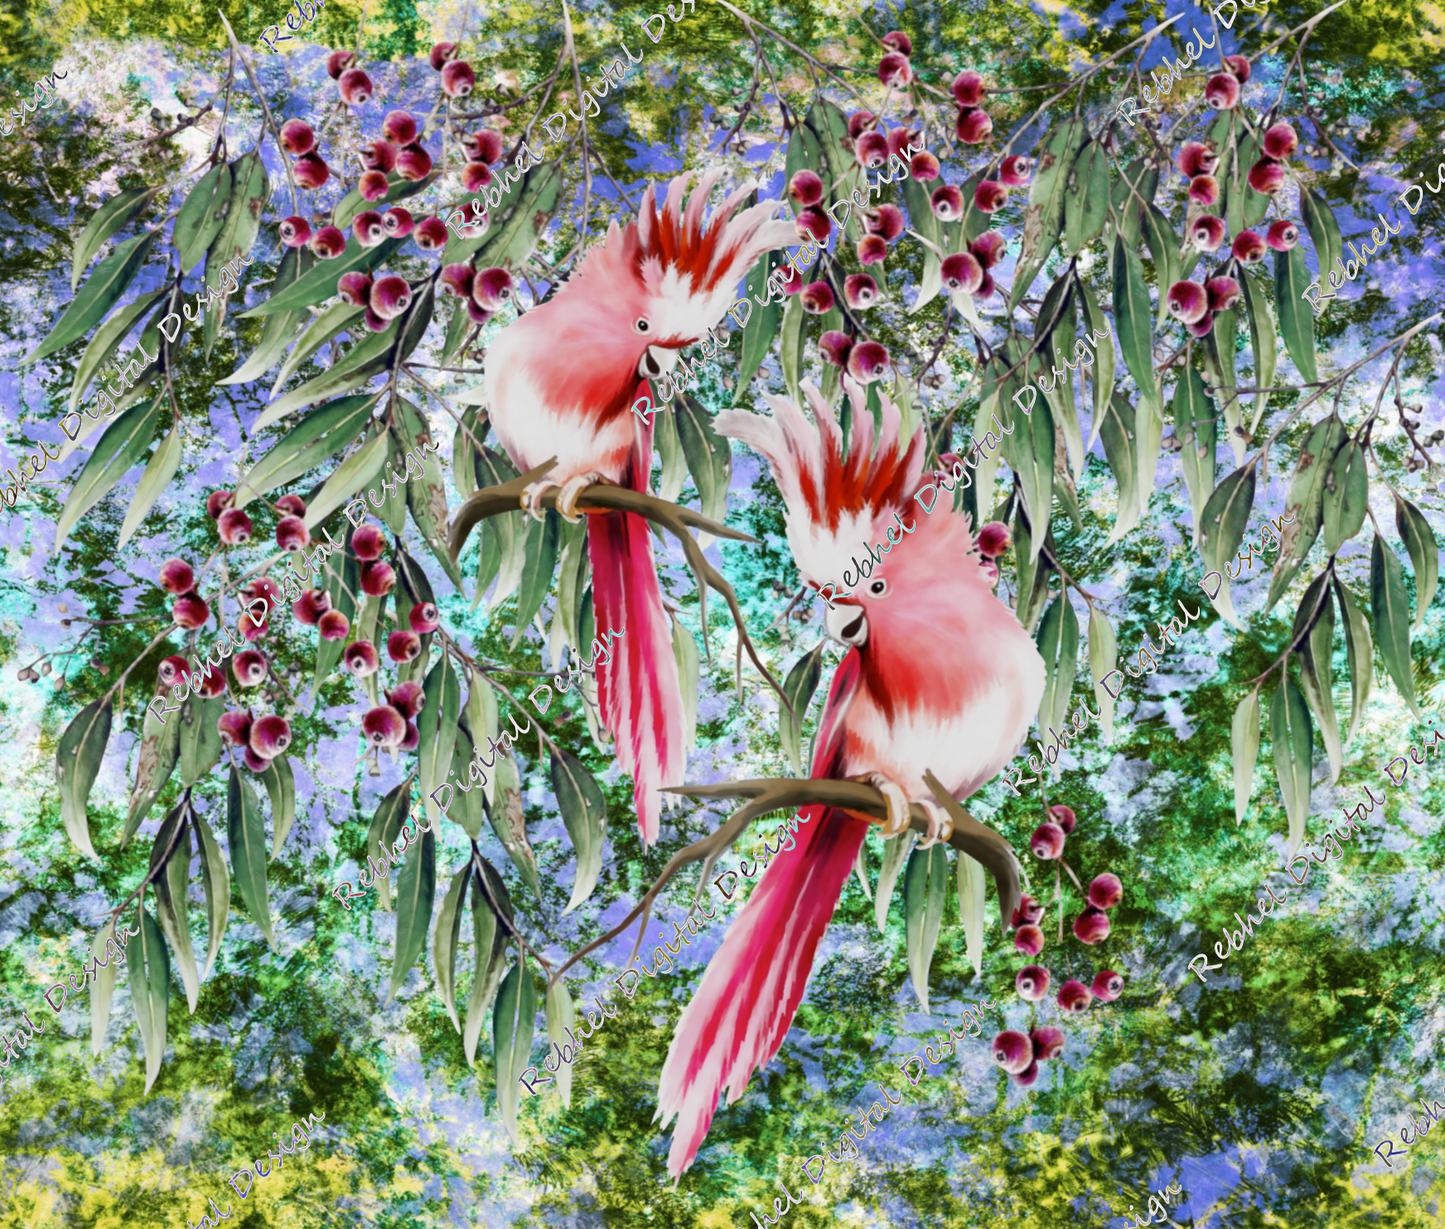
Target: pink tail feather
{"type": "Point", "coordinates": [638, 689]}
{"type": "Point", "coordinates": [745, 1005]}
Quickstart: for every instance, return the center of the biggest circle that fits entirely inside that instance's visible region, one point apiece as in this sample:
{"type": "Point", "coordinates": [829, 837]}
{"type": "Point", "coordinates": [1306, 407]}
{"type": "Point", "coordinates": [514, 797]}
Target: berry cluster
{"type": "Point", "coordinates": [1017, 1053]}
{"type": "Point", "coordinates": [994, 540]}
{"type": "Point", "coordinates": [398, 150]}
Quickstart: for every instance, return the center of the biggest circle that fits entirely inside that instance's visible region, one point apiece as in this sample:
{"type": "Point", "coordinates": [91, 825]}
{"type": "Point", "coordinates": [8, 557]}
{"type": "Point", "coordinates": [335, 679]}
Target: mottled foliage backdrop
{"type": "Point", "coordinates": [1262, 1094]}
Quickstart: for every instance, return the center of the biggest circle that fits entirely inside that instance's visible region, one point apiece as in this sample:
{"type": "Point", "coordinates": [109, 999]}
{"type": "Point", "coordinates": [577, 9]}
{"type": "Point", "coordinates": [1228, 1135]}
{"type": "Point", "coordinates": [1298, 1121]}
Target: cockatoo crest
{"type": "Point", "coordinates": [835, 505]}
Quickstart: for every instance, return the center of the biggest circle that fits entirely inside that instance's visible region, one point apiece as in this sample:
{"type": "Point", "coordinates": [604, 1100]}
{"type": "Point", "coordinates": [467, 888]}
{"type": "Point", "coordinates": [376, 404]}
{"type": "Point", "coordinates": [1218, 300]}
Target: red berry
{"type": "Point", "coordinates": [993, 540]}
{"type": "Point", "coordinates": [1222, 91]}
{"type": "Point", "coordinates": [457, 280]}
{"type": "Point", "coordinates": [1015, 170]}
{"type": "Point", "coordinates": [1266, 176]}
{"type": "Point", "coordinates": [1028, 912]}
{"type": "Point", "coordinates": [990, 196]}
{"type": "Point", "coordinates": [413, 163]}
{"type": "Point", "coordinates": [397, 222]}
{"type": "Point", "coordinates": [1201, 327]}
{"type": "Point", "coordinates": [817, 298]}
{"type": "Point", "coordinates": [859, 123]}
{"type": "Point", "coordinates": [860, 291]}
{"type": "Point", "coordinates": [1074, 996]}
{"type": "Point", "coordinates": [407, 698]}
{"type": "Point", "coordinates": [1062, 815]}
{"type": "Point", "coordinates": [297, 137]}
{"type": "Point", "coordinates": [235, 728]}
{"type": "Point", "coordinates": [871, 150]}
{"type": "Point", "coordinates": [291, 533]}
{"type": "Point", "coordinates": [292, 505]}
{"type": "Point", "coordinates": [1047, 841]}
{"type": "Point", "coordinates": [177, 576]}
{"type": "Point", "coordinates": [294, 231]}
{"type": "Point", "coordinates": [872, 249]}
{"type": "Point", "coordinates": [217, 502]}
{"type": "Point", "coordinates": [411, 740]}
{"type": "Point", "coordinates": [355, 87]}
{"type": "Point", "coordinates": [806, 188]}
{"type": "Point", "coordinates": [1223, 293]}
{"type": "Point", "coordinates": [1282, 235]}
{"type": "Point", "coordinates": [484, 146]}
{"type": "Point", "coordinates": [1091, 926]}
{"type": "Point", "coordinates": [212, 683]}
{"type": "Point", "coordinates": [1108, 985]}
{"type": "Point", "coordinates": [374, 322]}
{"type": "Point", "coordinates": [835, 347]}
{"type": "Point", "coordinates": [1280, 140]}
{"type": "Point", "coordinates": [311, 605]}
{"type": "Point", "coordinates": [968, 89]}
{"type": "Point", "coordinates": [1012, 1051]}
{"type": "Point", "coordinates": [1239, 66]}
{"type": "Point", "coordinates": [361, 658]}
{"type": "Point", "coordinates": [256, 763]}
{"type": "Point", "coordinates": [235, 527]}
{"type": "Point", "coordinates": [989, 248]}
{"type": "Point", "coordinates": [1187, 301]}
{"type": "Point", "coordinates": [171, 670]}
{"type": "Point", "coordinates": [1208, 232]}
{"type": "Point", "coordinates": [367, 543]}
{"type": "Point", "coordinates": [962, 272]}
{"type": "Point", "coordinates": [403, 646]}
{"type": "Point", "coordinates": [886, 221]}
{"type": "Point", "coordinates": [476, 176]}
{"type": "Point", "coordinates": [1248, 247]}
{"type": "Point", "coordinates": [1029, 940]}
{"type": "Point", "coordinates": [458, 79]}
{"type": "Point", "coordinates": [373, 186]}
{"type": "Point", "coordinates": [491, 288]}
{"type": "Point", "coordinates": [899, 42]}
{"type": "Point", "coordinates": [1196, 159]}
{"type": "Point", "coordinates": [923, 166]}
{"type": "Point", "coordinates": [390, 296]}
{"type": "Point", "coordinates": [328, 243]}
{"type": "Point", "coordinates": [367, 228]}
{"type": "Point", "coordinates": [379, 155]}
{"type": "Point", "coordinates": [270, 735]}
{"type": "Point", "coordinates": [383, 726]}
{"type": "Point", "coordinates": [338, 62]}
{"type": "Point", "coordinates": [1204, 190]}
{"type": "Point", "coordinates": [1027, 1077]}
{"type": "Point", "coordinates": [814, 224]}
{"type": "Point", "coordinates": [311, 171]}
{"type": "Point", "coordinates": [377, 578]}
{"type": "Point", "coordinates": [974, 126]}
{"type": "Point", "coordinates": [895, 71]}
{"type": "Point", "coordinates": [424, 618]}
{"type": "Point", "coordinates": [354, 288]}
{"type": "Point", "coordinates": [333, 625]}
{"type": "Point", "coordinates": [431, 235]}
{"type": "Point", "coordinates": [1032, 982]}
{"type": "Point", "coordinates": [868, 361]}
{"type": "Point", "coordinates": [1048, 1042]}
{"type": "Point", "coordinates": [947, 203]}
{"type": "Point", "coordinates": [441, 53]}
{"type": "Point", "coordinates": [1105, 891]}
{"type": "Point", "coordinates": [249, 667]}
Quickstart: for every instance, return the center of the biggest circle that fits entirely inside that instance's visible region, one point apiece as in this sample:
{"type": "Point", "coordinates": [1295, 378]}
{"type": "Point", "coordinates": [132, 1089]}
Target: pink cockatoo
{"type": "Point", "coordinates": [938, 675]}
{"type": "Point", "coordinates": [562, 380]}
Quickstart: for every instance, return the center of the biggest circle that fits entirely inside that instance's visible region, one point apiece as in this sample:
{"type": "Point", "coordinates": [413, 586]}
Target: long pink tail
{"type": "Point", "coordinates": [638, 688]}
{"type": "Point", "coordinates": [742, 1010]}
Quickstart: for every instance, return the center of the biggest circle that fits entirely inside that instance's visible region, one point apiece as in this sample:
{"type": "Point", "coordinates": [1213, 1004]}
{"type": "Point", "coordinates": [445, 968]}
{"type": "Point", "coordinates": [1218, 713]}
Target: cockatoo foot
{"type": "Point", "coordinates": [571, 489]}
{"type": "Point", "coordinates": [897, 800]}
{"type": "Point", "coordinates": [940, 823]}
{"type": "Point", "coordinates": [532, 496]}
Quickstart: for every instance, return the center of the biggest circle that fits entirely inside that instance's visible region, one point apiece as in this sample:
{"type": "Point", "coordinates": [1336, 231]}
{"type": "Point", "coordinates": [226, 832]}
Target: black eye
{"type": "Point", "coordinates": [640, 325]}
{"type": "Point", "coordinates": [878, 588]}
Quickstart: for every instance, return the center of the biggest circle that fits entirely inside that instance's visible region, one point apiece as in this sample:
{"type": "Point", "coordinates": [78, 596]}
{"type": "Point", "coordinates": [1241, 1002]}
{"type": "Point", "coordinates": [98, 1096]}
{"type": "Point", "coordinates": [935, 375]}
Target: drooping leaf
{"type": "Point", "coordinates": [1319, 220]}
{"type": "Point", "coordinates": [1419, 540]}
{"type": "Point", "coordinates": [340, 581]}
{"type": "Point", "coordinates": [1086, 197]}
{"type": "Point", "coordinates": [426, 495]}
{"type": "Point", "coordinates": [280, 329]}
{"type": "Point", "coordinates": [77, 763]}
{"type": "Point", "coordinates": [249, 192]}
{"type": "Point", "coordinates": [584, 812]}
{"type": "Point", "coordinates": [895, 852]}
{"type": "Point", "coordinates": [1292, 741]}
{"type": "Point", "coordinates": [1058, 641]}
{"type": "Point", "coordinates": [1029, 450]}
{"type": "Point", "coordinates": [1264, 342]}
{"type": "Point", "coordinates": [381, 833]}
{"type": "Point", "coordinates": [1164, 250]}
{"type": "Point", "coordinates": [790, 353]}
{"type": "Point", "coordinates": [1133, 317]}
{"type": "Point", "coordinates": [1360, 654]}
{"type": "Point", "coordinates": [1316, 653]}
{"type": "Point", "coordinates": [1055, 346]}
{"type": "Point", "coordinates": [924, 886]}
{"type": "Point", "coordinates": [437, 726]}
{"type": "Point", "coordinates": [539, 561]}
{"type": "Point", "coordinates": [1296, 316]}
{"type": "Point", "coordinates": [518, 222]}
{"type": "Point", "coordinates": [397, 189]}
{"type": "Point", "coordinates": [1390, 612]}
{"type": "Point", "coordinates": [1225, 518]}
{"type": "Point", "coordinates": [122, 445]}
{"type": "Point", "coordinates": [1219, 346]}
{"type": "Point", "coordinates": [318, 436]}
{"type": "Point", "coordinates": [335, 319]}
{"type": "Point", "coordinates": [509, 822]}
{"type": "Point", "coordinates": [1104, 362]}
{"type": "Point", "coordinates": [216, 879]}
{"type": "Point", "coordinates": [446, 941]}
{"type": "Point", "coordinates": [1195, 427]}
{"type": "Point", "coordinates": [102, 988]}
{"type": "Point", "coordinates": [1131, 193]}
{"type": "Point", "coordinates": [1116, 426]}
{"type": "Point", "coordinates": [150, 984]}
{"type": "Point", "coordinates": [115, 215]}
{"type": "Point", "coordinates": [493, 469]}
{"type": "Point", "coordinates": [1244, 744]}
{"type": "Point", "coordinates": [201, 215]}
{"type": "Point", "coordinates": [561, 1029]}
{"type": "Point", "coordinates": [172, 891]}
{"type": "Point", "coordinates": [689, 667]}
{"type": "Point", "coordinates": [973, 908]}
{"type": "Point", "coordinates": [799, 686]}
{"type": "Point", "coordinates": [280, 785]}
{"type": "Point", "coordinates": [159, 749]}
{"type": "Point", "coordinates": [319, 284]}
{"type": "Point", "coordinates": [1103, 661]}
{"type": "Point", "coordinates": [357, 472]}
{"type": "Point", "coordinates": [365, 360]}
{"type": "Point", "coordinates": [1346, 496]}
{"type": "Point", "coordinates": [1044, 215]}
{"type": "Point", "coordinates": [513, 1020]}
{"type": "Point", "coordinates": [1304, 500]}
{"type": "Point", "coordinates": [415, 894]}
{"type": "Point", "coordinates": [489, 947]}
{"type": "Point", "coordinates": [709, 456]}
{"type": "Point", "coordinates": [106, 342]}
{"type": "Point", "coordinates": [159, 471]}
{"type": "Point", "coordinates": [248, 852]}
{"type": "Point", "coordinates": [200, 736]}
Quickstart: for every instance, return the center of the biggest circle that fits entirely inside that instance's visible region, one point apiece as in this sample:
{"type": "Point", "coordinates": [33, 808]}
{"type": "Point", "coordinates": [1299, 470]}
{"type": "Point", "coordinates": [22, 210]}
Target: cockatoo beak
{"type": "Point", "coordinates": [656, 361]}
{"type": "Point", "coordinates": [847, 624]}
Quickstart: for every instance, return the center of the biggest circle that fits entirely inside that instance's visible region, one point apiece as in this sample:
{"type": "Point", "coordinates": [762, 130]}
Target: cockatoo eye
{"type": "Point", "coordinates": [641, 325]}
{"type": "Point", "coordinates": [879, 588]}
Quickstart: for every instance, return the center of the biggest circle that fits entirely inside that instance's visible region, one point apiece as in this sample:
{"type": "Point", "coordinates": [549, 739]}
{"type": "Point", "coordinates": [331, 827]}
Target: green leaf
{"type": "Point", "coordinates": [501, 553]}
{"type": "Point", "coordinates": [171, 888]}
{"type": "Point", "coordinates": [150, 983]}
{"type": "Point", "coordinates": [416, 888]}
{"type": "Point", "coordinates": [1419, 540]}
{"type": "Point", "coordinates": [1319, 220]}
{"type": "Point", "coordinates": [489, 944]}
{"type": "Point", "coordinates": [517, 223]}
{"type": "Point", "coordinates": [355, 473]}
{"type": "Point", "coordinates": [397, 189]}
{"type": "Point", "coordinates": [1134, 190]}
{"type": "Point", "coordinates": [584, 811]}
{"type": "Point", "coordinates": [1044, 215]}
{"type": "Point", "coordinates": [790, 355]}
{"type": "Point", "coordinates": [1116, 426]}
{"type": "Point", "coordinates": [113, 216]}
{"type": "Point", "coordinates": [1316, 654]}
{"type": "Point", "coordinates": [895, 850]}
{"type": "Point", "coordinates": [217, 881]}
{"type": "Point", "coordinates": [101, 292]}
{"type": "Point", "coordinates": [1030, 453]}
{"type": "Point", "coordinates": [319, 283]}
{"type": "Point", "coordinates": [1164, 250]}
{"type": "Point", "coordinates": [1104, 362]}
{"type": "Point", "coordinates": [159, 750]}
{"type": "Point", "coordinates": [762, 322]}
{"type": "Point", "coordinates": [77, 762]}
{"type": "Point", "coordinates": [106, 342]}
{"type": "Point", "coordinates": [364, 361]}
{"type": "Point", "coordinates": [340, 582]}
{"type": "Point", "coordinates": [1198, 433]}
{"type": "Point", "coordinates": [1103, 660]}
{"type": "Point", "coordinates": [1346, 496]}
{"type": "Point", "coordinates": [509, 822]}
{"type": "Point", "coordinates": [689, 667]}
{"type": "Point", "coordinates": [335, 319]}
{"type": "Point", "coordinates": [562, 1016]}
{"type": "Point", "coordinates": [1390, 611]}
{"type": "Point", "coordinates": [1058, 641]}
{"type": "Point", "coordinates": [1054, 346]}
{"type": "Point", "coordinates": [1264, 342]}
{"type": "Point", "coordinates": [922, 219]}
{"type": "Point", "coordinates": [102, 988]}
{"type": "Point", "coordinates": [924, 886]}
{"type": "Point", "coordinates": [437, 726]}
{"type": "Point", "coordinates": [1133, 318]}
{"type": "Point", "coordinates": [200, 737]}
{"type": "Point", "coordinates": [669, 451]}
{"type": "Point", "coordinates": [250, 190]}
{"type": "Point", "coordinates": [986, 471]}
{"type": "Point", "coordinates": [248, 852]}
{"type": "Point", "coordinates": [709, 456]}
{"type": "Point", "coordinates": [972, 909]}
{"type": "Point", "coordinates": [383, 830]}
{"type": "Point", "coordinates": [1226, 515]}
{"type": "Point", "coordinates": [1244, 744]}
{"type": "Point", "coordinates": [539, 561]}
{"type": "Point", "coordinates": [318, 436]}
{"type": "Point", "coordinates": [446, 940]}
{"type": "Point", "coordinates": [1360, 653]}
{"type": "Point", "coordinates": [1292, 740]}
{"type": "Point", "coordinates": [1296, 317]}
{"type": "Point", "coordinates": [799, 686]}
{"type": "Point", "coordinates": [201, 216]}
{"type": "Point", "coordinates": [159, 471]}
{"type": "Point", "coordinates": [513, 1020]}
{"type": "Point", "coordinates": [1304, 500]}
{"type": "Point", "coordinates": [1220, 354]}
{"type": "Point", "coordinates": [280, 785]}
{"type": "Point", "coordinates": [279, 330]}
{"type": "Point", "coordinates": [1086, 197]}
{"type": "Point", "coordinates": [122, 445]}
